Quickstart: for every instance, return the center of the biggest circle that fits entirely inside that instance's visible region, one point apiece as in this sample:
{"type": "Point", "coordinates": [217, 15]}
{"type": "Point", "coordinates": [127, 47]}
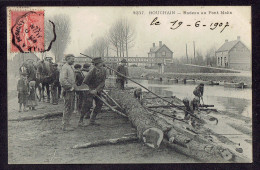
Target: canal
{"type": "Point", "coordinates": [233, 100]}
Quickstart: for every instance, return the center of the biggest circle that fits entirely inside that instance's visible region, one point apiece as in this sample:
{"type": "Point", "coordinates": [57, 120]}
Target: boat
{"type": "Point", "coordinates": [196, 137]}
{"type": "Point", "coordinates": [190, 81]}
{"type": "Point", "coordinates": [171, 81]}
{"type": "Point", "coordinates": [206, 82]}
{"type": "Point", "coordinates": [234, 85]}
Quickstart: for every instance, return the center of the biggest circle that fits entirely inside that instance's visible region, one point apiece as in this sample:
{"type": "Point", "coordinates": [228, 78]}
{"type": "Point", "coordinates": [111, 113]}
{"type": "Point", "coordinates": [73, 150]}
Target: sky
{"type": "Point", "coordinates": [89, 23]}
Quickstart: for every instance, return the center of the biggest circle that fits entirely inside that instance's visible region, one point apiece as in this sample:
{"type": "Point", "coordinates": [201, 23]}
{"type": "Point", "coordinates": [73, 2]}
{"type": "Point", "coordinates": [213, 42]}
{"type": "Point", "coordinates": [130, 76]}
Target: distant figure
{"type": "Point", "coordinates": [139, 95]}
{"type": "Point", "coordinates": [198, 91]}
{"type": "Point", "coordinates": [67, 81]}
{"type": "Point", "coordinates": [122, 69]}
{"type": "Point", "coordinates": [190, 106]}
{"type": "Point", "coordinates": [22, 88]}
{"type": "Point", "coordinates": [55, 84]}
{"type": "Point", "coordinates": [32, 102]}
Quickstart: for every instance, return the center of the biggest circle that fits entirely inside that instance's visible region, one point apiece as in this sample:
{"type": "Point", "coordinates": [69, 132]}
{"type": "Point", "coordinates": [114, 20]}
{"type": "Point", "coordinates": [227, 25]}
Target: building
{"type": "Point", "coordinates": [161, 51]}
{"type": "Point", "coordinates": [234, 54]}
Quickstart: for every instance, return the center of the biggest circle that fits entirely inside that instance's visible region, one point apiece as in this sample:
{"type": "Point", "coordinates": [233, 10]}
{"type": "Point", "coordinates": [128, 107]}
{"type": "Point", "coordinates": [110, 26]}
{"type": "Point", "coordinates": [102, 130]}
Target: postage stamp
{"type": "Point", "coordinates": [27, 30]}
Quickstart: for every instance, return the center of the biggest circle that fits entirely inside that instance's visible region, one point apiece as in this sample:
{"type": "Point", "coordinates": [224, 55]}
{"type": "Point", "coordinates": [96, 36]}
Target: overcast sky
{"type": "Point", "coordinates": [89, 23]}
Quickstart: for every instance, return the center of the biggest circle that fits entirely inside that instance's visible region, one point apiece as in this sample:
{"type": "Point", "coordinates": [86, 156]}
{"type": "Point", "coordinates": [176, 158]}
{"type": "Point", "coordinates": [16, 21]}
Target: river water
{"type": "Point", "coordinates": [233, 100]}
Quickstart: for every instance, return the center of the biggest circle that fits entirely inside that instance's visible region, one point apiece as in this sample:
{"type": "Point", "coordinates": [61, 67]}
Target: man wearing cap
{"type": "Point", "coordinates": [79, 79]}
{"type": "Point", "coordinates": [67, 81]}
{"type": "Point", "coordinates": [83, 96]}
{"type": "Point", "coordinates": [198, 91]}
{"type": "Point", "coordinates": [120, 80]}
{"type": "Point", "coordinates": [55, 83]}
{"type": "Point", "coordinates": [191, 106]}
{"type": "Point", "coordinates": [95, 79]}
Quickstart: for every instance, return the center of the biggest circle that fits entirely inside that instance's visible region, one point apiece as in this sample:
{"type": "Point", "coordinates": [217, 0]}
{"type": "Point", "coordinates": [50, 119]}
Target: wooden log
{"type": "Point", "coordinates": [113, 109]}
{"type": "Point", "coordinates": [34, 117]}
{"type": "Point", "coordinates": [240, 128]}
{"type": "Point", "coordinates": [147, 128]}
{"type": "Point", "coordinates": [106, 142]}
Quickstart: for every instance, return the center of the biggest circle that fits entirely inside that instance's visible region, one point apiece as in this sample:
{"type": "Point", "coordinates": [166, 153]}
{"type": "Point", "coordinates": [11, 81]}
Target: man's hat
{"type": "Point", "coordinates": [77, 66]}
{"type": "Point", "coordinates": [124, 61]}
{"type": "Point", "coordinates": [68, 56]}
{"type": "Point", "coordinates": [86, 65]}
{"type": "Point", "coordinates": [201, 84]}
{"type": "Point", "coordinates": [97, 60]}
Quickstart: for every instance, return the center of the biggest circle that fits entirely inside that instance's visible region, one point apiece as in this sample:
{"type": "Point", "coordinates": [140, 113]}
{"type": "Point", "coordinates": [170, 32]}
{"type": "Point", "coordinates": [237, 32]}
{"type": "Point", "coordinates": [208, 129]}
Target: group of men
{"type": "Point", "coordinates": [94, 79]}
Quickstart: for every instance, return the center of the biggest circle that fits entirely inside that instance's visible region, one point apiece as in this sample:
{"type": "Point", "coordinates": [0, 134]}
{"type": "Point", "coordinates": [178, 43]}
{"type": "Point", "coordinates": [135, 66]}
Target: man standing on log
{"type": "Point", "coordinates": [198, 91]}
{"type": "Point", "coordinates": [95, 79]}
{"type": "Point", "coordinates": [120, 81]}
{"type": "Point", "coordinates": [190, 106]}
{"type": "Point", "coordinates": [67, 81]}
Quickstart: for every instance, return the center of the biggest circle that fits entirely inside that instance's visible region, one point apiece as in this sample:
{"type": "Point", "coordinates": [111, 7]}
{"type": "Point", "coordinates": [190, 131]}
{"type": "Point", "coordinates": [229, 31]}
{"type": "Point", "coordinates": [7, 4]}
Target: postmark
{"type": "Point", "coordinates": [27, 31]}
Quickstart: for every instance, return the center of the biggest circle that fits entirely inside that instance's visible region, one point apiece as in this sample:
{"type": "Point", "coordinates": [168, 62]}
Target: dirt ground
{"type": "Point", "coordinates": [43, 141]}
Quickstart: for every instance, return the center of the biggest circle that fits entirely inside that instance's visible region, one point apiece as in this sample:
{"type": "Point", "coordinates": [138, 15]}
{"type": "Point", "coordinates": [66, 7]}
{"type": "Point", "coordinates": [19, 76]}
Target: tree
{"type": "Point", "coordinates": [62, 29]}
{"type": "Point", "coordinates": [210, 56]}
{"type": "Point", "coordinates": [121, 37]}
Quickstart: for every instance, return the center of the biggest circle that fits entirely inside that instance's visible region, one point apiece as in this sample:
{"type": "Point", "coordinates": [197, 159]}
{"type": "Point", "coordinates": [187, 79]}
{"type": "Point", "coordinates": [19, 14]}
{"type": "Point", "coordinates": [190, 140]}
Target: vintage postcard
{"type": "Point", "coordinates": [139, 84]}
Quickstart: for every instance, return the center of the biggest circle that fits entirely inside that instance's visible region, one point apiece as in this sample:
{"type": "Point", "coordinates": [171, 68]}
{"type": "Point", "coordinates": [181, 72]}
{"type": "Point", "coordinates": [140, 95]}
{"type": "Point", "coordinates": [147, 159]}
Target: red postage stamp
{"type": "Point", "coordinates": [27, 31]}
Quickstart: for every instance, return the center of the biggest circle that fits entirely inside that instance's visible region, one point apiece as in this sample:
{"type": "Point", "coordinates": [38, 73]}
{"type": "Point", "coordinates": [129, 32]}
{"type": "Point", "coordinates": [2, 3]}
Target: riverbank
{"type": "Point", "coordinates": [147, 74]}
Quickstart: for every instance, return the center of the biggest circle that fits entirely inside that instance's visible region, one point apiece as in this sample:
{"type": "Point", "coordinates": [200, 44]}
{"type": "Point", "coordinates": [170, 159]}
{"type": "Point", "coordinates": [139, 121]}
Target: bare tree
{"type": "Point", "coordinates": [210, 56]}
{"type": "Point", "coordinates": [62, 29]}
{"type": "Point", "coordinates": [121, 37]}
{"type": "Point", "coordinates": [129, 35]}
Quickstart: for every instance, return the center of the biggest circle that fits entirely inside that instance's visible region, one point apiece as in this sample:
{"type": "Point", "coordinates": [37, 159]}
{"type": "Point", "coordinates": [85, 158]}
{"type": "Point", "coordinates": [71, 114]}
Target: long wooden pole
{"type": "Point", "coordinates": [191, 114]}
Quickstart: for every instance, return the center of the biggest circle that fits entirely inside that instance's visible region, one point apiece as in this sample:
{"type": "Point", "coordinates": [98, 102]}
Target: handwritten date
{"type": "Point", "coordinates": [176, 24]}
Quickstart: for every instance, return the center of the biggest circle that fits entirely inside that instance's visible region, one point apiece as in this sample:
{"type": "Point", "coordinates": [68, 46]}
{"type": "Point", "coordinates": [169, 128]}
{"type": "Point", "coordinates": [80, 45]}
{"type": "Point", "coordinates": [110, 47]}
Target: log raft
{"type": "Point", "coordinates": [153, 129]}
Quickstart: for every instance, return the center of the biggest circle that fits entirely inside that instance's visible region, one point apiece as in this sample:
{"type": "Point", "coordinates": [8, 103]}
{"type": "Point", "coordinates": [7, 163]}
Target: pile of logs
{"type": "Point", "coordinates": [154, 129]}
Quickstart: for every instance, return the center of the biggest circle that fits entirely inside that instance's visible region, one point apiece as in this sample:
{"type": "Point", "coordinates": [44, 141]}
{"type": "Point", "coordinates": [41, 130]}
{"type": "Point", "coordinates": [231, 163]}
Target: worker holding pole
{"type": "Point", "coordinates": [95, 79]}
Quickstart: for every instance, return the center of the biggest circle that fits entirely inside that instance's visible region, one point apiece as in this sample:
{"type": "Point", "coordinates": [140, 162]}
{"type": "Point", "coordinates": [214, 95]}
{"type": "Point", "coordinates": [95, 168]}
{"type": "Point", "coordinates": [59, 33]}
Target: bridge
{"type": "Point", "coordinates": [161, 61]}
{"type": "Point", "coordinates": [148, 60]}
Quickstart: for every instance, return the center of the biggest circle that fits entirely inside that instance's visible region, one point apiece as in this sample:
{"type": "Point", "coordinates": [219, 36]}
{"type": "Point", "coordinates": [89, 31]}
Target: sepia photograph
{"type": "Point", "coordinates": [129, 84]}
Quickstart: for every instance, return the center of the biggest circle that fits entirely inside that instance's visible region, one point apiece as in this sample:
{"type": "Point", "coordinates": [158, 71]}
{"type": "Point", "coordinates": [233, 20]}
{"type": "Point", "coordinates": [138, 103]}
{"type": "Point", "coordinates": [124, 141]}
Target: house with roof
{"type": "Point", "coordinates": [234, 54]}
{"type": "Point", "coordinates": [161, 51]}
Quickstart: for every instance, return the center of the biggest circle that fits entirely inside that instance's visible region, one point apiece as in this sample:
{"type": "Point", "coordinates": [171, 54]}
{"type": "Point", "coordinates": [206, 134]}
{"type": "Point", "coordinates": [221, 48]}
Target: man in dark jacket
{"type": "Point", "coordinates": [79, 79]}
{"type": "Point", "coordinates": [198, 91]}
{"type": "Point", "coordinates": [55, 84]}
{"type": "Point", "coordinates": [95, 79]}
{"type": "Point", "coordinates": [120, 80]}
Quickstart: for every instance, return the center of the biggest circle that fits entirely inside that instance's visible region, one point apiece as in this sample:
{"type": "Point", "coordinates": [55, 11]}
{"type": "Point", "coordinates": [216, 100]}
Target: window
{"type": "Point", "coordinates": [163, 53]}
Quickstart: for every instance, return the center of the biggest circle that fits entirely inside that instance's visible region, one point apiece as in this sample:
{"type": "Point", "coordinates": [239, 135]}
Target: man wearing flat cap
{"type": "Point", "coordinates": [67, 81]}
{"type": "Point", "coordinates": [95, 79]}
{"type": "Point", "coordinates": [55, 83]}
{"type": "Point", "coordinates": [120, 80]}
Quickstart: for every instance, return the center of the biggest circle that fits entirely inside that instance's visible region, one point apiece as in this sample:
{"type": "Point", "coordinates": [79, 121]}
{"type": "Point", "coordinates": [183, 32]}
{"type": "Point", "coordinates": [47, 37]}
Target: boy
{"type": "Point", "coordinates": [22, 88]}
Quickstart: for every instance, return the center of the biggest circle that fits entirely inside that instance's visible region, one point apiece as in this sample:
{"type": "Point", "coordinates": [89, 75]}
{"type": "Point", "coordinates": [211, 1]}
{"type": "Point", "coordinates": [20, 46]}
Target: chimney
{"type": "Point", "coordinates": [226, 41]}
{"type": "Point", "coordinates": [160, 43]}
{"type": "Point", "coordinates": [238, 38]}
{"type": "Point", "coordinates": [153, 44]}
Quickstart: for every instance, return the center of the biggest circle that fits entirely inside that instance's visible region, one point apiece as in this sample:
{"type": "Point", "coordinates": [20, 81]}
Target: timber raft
{"type": "Point", "coordinates": [158, 123]}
